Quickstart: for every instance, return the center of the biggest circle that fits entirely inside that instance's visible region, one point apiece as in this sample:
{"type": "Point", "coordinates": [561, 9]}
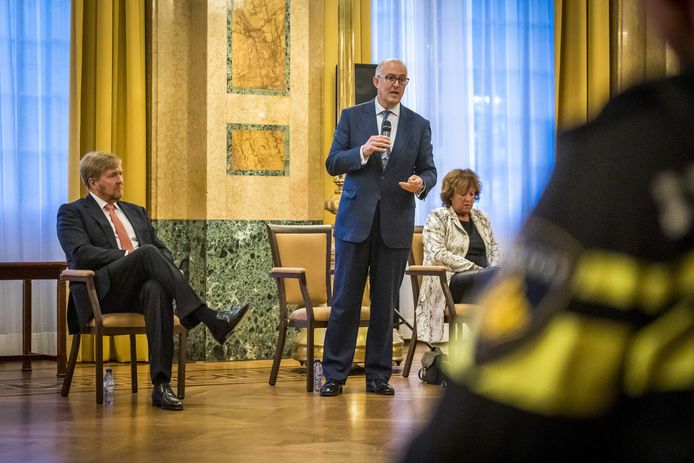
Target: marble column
{"type": "Point", "coordinates": [235, 142]}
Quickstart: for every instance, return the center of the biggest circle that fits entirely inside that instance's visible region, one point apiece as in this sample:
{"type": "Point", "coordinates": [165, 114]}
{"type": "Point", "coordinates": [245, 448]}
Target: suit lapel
{"type": "Point", "coordinates": [404, 129]}
{"type": "Point", "coordinates": [402, 137]}
{"type": "Point", "coordinates": [370, 126]}
{"type": "Point", "coordinates": [133, 217]}
{"type": "Point", "coordinates": [97, 214]}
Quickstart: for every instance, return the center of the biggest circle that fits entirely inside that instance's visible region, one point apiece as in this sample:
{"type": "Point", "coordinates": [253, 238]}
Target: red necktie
{"type": "Point", "coordinates": [123, 237]}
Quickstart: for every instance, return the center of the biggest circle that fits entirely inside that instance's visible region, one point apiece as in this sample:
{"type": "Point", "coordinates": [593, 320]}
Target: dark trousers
{"type": "Point", "coordinates": [385, 267]}
{"type": "Point", "coordinates": [146, 282]}
{"type": "Point", "coordinates": [466, 285]}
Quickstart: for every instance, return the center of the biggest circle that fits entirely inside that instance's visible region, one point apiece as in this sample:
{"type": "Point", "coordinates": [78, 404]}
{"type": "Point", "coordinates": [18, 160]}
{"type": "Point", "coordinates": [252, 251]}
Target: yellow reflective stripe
{"type": "Point", "coordinates": [656, 287]}
{"type": "Point", "coordinates": [570, 369]}
{"type": "Point", "coordinates": [461, 355]}
{"type": "Point", "coordinates": [607, 278]}
{"type": "Point", "coordinates": [685, 274]}
{"type": "Point", "coordinates": [621, 281]}
{"type": "Point", "coordinates": [661, 357]}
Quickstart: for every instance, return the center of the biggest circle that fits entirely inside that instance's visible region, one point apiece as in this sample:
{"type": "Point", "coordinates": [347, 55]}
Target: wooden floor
{"type": "Point", "coordinates": [231, 414]}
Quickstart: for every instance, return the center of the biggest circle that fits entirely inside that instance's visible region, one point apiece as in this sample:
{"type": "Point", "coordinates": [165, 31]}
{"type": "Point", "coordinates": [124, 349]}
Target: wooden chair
{"type": "Point", "coordinates": [456, 314]}
{"type": "Point", "coordinates": [115, 324]}
{"type": "Point", "coordinates": [301, 257]}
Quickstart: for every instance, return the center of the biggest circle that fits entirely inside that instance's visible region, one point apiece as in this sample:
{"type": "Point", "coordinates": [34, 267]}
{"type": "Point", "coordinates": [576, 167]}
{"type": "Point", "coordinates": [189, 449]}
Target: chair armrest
{"type": "Point", "coordinates": [76, 275]}
{"type": "Point", "coordinates": [288, 272]}
{"type": "Point", "coordinates": [298, 273]}
{"type": "Point", "coordinates": [426, 270]}
{"type": "Point", "coordinates": [86, 276]}
{"type": "Point", "coordinates": [440, 272]}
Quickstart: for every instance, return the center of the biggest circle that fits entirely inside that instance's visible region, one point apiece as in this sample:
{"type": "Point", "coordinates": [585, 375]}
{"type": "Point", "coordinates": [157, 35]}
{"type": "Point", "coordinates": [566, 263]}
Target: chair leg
{"type": "Point", "coordinates": [282, 336]}
{"type": "Point", "coordinates": [74, 350]}
{"type": "Point", "coordinates": [455, 337]}
{"type": "Point", "coordinates": [410, 353]}
{"type": "Point", "coordinates": [99, 370]}
{"type": "Point", "coordinates": [413, 343]}
{"type": "Point", "coordinates": [460, 339]}
{"type": "Point", "coordinates": [309, 358]}
{"type": "Point", "coordinates": [133, 363]}
{"type": "Point", "coordinates": [182, 340]}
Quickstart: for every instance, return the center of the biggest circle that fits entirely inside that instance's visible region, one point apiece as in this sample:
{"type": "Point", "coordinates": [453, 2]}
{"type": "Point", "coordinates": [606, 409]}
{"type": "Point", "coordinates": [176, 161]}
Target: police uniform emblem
{"type": "Point", "coordinates": [534, 285]}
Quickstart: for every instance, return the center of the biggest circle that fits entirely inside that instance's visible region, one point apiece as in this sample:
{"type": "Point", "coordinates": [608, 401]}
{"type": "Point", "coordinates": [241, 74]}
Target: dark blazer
{"type": "Point", "coordinates": [366, 185]}
{"type": "Point", "coordinates": [89, 243]}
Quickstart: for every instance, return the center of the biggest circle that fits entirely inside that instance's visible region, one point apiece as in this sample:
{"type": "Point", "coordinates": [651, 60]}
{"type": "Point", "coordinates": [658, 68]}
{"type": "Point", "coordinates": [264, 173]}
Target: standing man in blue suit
{"type": "Point", "coordinates": [375, 222]}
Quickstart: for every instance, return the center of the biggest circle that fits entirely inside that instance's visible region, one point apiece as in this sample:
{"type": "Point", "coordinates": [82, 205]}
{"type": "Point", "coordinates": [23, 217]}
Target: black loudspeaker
{"type": "Point", "coordinates": [364, 89]}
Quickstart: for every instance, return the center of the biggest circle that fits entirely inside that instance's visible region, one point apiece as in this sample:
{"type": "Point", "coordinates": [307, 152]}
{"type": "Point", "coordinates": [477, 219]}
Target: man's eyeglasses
{"type": "Point", "coordinates": [391, 79]}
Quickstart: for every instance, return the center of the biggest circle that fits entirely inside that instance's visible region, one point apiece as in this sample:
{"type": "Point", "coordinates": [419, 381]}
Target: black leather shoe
{"type": "Point", "coordinates": [232, 317]}
{"type": "Point", "coordinates": [380, 387]}
{"type": "Point", "coordinates": [163, 397]}
{"type": "Point", "coordinates": [330, 388]}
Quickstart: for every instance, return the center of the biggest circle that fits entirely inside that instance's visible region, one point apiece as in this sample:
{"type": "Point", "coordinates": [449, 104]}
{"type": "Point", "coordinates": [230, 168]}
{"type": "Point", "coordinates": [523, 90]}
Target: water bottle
{"type": "Point", "coordinates": [109, 385]}
{"type": "Point", "coordinates": [317, 375]}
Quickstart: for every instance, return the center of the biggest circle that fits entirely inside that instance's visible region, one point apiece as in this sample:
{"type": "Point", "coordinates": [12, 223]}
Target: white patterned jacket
{"type": "Point", "coordinates": [446, 243]}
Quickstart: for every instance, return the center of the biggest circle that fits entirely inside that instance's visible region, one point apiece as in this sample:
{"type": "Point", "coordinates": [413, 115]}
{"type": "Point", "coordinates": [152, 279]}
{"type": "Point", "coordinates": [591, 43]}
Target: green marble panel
{"type": "Point", "coordinates": [227, 263]}
{"type": "Point", "coordinates": [186, 241]}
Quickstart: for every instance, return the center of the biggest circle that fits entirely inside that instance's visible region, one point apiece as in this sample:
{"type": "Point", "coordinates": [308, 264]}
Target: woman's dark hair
{"type": "Point", "coordinates": [459, 181]}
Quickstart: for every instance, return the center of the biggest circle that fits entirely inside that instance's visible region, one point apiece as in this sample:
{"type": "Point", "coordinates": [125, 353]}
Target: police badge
{"type": "Point", "coordinates": [534, 284]}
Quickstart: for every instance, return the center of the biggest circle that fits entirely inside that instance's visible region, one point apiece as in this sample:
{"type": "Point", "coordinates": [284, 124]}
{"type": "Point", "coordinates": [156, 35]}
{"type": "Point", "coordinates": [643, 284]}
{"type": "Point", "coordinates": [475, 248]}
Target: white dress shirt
{"type": "Point", "coordinates": [393, 117]}
{"type": "Point", "coordinates": [126, 223]}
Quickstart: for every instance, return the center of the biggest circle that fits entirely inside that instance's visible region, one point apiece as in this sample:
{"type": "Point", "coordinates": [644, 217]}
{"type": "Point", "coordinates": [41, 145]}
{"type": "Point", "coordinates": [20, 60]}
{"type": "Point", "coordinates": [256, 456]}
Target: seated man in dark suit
{"type": "Point", "coordinates": [134, 270]}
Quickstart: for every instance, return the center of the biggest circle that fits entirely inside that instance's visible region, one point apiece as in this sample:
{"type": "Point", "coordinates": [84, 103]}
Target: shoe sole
{"type": "Point", "coordinates": [158, 404]}
{"type": "Point", "coordinates": [371, 391]}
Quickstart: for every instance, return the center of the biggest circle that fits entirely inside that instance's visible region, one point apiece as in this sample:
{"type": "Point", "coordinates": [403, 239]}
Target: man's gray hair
{"type": "Point", "coordinates": [386, 61]}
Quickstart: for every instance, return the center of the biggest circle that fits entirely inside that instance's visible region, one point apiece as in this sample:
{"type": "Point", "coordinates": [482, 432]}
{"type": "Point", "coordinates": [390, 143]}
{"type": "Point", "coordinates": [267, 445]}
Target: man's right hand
{"type": "Point", "coordinates": [375, 144]}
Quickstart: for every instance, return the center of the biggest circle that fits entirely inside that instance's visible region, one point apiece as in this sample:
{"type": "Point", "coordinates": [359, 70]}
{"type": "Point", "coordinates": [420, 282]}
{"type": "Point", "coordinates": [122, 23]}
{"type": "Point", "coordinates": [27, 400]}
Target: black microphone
{"type": "Point", "coordinates": [385, 128]}
{"type": "Point", "coordinates": [385, 131]}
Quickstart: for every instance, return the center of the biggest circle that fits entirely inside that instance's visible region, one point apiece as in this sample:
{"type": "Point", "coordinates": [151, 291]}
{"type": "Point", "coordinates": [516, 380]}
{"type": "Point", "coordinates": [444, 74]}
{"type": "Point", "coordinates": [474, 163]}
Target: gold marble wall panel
{"type": "Point", "coordinates": [258, 46]}
{"type": "Point", "coordinates": [257, 149]}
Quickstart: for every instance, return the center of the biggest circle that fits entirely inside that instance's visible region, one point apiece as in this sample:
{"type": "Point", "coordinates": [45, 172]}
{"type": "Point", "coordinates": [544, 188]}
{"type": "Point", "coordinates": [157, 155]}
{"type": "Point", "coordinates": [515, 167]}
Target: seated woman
{"type": "Point", "coordinates": [459, 237]}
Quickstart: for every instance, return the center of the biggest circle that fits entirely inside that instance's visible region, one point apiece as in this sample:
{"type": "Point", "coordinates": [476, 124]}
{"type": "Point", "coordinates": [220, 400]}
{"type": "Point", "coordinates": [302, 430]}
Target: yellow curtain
{"type": "Point", "coordinates": [108, 108]}
{"type": "Point", "coordinates": [582, 60]}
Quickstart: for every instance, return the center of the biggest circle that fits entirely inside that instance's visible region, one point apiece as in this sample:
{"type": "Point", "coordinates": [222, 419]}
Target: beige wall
{"type": "Point", "coordinates": [192, 108]}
